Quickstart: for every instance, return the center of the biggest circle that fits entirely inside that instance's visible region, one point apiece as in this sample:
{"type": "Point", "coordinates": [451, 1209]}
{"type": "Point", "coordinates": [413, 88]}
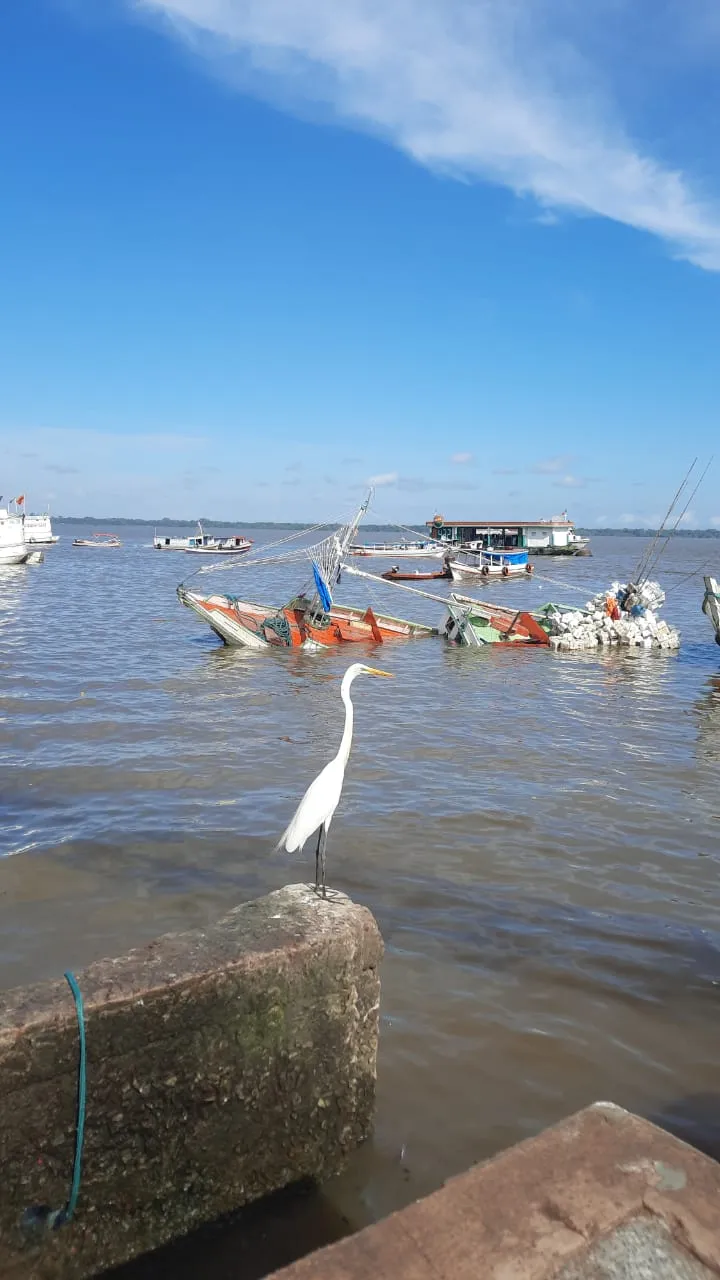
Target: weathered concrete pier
{"type": "Point", "coordinates": [602, 1196]}
{"type": "Point", "coordinates": [222, 1064]}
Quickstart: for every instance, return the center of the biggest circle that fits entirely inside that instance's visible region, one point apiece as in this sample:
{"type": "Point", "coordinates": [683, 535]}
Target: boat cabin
{"type": "Point", "coordinates": [554, 534]}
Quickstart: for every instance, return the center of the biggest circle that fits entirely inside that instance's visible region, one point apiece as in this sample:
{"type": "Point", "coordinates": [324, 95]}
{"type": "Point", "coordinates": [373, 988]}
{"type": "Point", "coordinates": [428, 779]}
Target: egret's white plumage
{"type": "Point", "coordinates": [317, 807]}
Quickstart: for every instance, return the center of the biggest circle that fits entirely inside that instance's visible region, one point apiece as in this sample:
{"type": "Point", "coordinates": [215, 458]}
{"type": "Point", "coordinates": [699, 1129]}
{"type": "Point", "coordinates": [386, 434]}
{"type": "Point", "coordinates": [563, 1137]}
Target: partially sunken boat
{"type": "Point", "coordinates": [475, 623]}
{"type": "Point", "coordinates": [711, 604]}
{"type": "Point", "coordinates": [311, 619]}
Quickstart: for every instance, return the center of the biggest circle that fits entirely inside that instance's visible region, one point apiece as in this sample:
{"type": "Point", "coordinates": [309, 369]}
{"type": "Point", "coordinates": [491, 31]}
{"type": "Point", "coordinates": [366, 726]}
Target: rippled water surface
{"type": "Point", "coordinates": [536, 833]}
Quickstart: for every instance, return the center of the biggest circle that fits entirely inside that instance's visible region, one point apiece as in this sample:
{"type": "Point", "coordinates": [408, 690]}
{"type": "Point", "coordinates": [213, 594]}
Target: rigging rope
{"type": "Point", "coordinates": [651, 567]}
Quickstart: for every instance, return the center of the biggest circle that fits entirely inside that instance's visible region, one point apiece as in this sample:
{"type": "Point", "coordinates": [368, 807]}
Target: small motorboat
{"type": "Point", "coordinates": [396, 574]}
{"type": "Point", "coordinates": [98, 540]}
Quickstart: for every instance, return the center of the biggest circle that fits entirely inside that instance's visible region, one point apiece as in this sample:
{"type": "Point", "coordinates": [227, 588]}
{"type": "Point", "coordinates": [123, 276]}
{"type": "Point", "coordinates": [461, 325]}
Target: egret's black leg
{"type": "Point", "coordinates": [322, 861]}
{"type": "Point", "coordinates": [317, 860]}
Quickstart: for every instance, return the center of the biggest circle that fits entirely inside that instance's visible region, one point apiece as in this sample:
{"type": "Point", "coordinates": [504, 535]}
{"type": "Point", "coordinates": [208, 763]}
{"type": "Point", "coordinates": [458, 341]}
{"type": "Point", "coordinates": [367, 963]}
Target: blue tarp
{"type": "Point", "coordinates": [322, 588]}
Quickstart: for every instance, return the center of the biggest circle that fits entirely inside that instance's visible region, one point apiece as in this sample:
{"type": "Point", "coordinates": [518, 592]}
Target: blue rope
{"type": "Point", "coordinates": [40, 1216]}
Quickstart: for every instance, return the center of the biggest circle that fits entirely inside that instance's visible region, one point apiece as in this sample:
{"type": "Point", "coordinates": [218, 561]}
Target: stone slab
{"type": "Point", "coordinates": [552, 1207]}
{"type": "Point", "coordinates": [223, 1064]}
{"type": "Point", "coordinates": [643, 1249]}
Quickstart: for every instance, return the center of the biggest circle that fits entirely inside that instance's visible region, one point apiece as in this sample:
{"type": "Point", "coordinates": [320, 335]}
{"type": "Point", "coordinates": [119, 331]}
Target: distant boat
{"type": "Point", "coordinates": [98, 540]}
{"type": "Point", "coordinates": [235, 545]}
{"type": "Point", "coordinates": [414, 575]}
{"type": "Point", "coordinates": [38, 529]}
{"type": "Point", "coordinates": [398, 550]}
{"type": "Point", "coordinates": [202, 543]}
{"type": "Point", "coordinates": [497, 562]}
{"type": "Point", "coordinates": [13, 545]}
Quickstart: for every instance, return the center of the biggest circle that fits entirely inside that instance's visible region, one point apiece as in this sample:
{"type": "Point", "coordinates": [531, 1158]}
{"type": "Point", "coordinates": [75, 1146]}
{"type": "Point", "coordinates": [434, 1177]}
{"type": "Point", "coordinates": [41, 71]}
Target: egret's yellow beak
{"type": "Point", "coordinates": [375, 671]}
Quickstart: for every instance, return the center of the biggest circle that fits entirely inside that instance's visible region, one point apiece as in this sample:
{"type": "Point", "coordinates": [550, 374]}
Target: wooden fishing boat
{"type": "Point", "coordinates": [301, 622]}
{"type": "Point", "coordinates": [476, 623]}
{"type": "Point", "coordinates": [711, 604]}
{"type": "Point", "coordinates": [414, 575]}
{"type": "Point", "coordinates": [311, 618]}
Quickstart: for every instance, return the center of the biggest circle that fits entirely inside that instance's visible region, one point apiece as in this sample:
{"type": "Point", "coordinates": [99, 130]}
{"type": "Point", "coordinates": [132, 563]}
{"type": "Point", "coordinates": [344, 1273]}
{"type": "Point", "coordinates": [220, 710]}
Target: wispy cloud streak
{"type": "Point", "coordinates": [501, 90]}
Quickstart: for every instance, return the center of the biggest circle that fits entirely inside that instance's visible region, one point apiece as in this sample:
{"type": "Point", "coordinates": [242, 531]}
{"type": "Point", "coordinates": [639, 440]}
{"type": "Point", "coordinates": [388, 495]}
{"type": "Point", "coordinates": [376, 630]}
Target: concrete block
{"type": "Point", "coordinates": [222, 1064]}
{"type": "Point", "coordinates": [602, 1195]}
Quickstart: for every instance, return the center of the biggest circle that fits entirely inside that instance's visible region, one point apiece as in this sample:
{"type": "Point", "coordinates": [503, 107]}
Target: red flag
{"type": "Point", "coordinates": [19, 502]}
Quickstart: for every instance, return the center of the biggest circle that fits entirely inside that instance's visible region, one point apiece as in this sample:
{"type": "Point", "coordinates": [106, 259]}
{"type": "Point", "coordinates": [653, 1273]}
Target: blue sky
{"type": "Point", "coordinates": [257, 252]}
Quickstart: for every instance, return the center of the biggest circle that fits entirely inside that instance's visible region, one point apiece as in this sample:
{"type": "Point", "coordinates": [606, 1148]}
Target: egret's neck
{"type": "Point", "coordinates": [346, 742]}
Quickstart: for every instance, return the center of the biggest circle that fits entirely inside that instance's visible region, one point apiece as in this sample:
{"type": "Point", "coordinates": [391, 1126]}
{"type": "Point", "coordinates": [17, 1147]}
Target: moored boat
{"type": "Point", "coordinates": [398, 550]}
{"type": "Point", "coordinates": [105, 540]}
{"type": "Point", "coordinates": [14, 548]}
{"type": "Point", "coordinates": [414, 575]}
{"type": "Point", "coordinates": [202, 543]}
{"type": "Point", "coordinates": [234, 545]}
{"type": "Point", "coordinates": [495, 562]}
{"type": "Point", "coordinates": [38, 529]}
{"type": "Point", "coordinates": [711, 604]}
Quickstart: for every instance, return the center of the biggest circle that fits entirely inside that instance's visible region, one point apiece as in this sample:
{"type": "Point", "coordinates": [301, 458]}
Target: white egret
{"type": "Point", "coordinates": [316, 809]}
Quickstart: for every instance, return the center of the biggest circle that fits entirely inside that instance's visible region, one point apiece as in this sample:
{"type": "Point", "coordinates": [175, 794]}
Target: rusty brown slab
{"type": "Point", "coordinates": [539, 1211]}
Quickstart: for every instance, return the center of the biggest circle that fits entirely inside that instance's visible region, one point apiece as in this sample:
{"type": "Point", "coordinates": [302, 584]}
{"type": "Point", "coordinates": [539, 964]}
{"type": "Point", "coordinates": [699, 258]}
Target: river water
{"type": "Point", "coordinates": [536, 833]}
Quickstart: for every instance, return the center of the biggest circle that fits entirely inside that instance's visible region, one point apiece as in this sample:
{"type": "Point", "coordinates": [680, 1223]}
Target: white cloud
{"type": "Point", "coordinates": [715, 522]}
{"type": "Point", "coordinates": [551, 466]}
{"type": "Point", "coordinates": [569, 482]}
{"type": "Point", "coordinates": [511, 91]}
{"type": "Point", "coordinates": [461, 458]}
{"type": "Point", "coordinates": [417, 484]}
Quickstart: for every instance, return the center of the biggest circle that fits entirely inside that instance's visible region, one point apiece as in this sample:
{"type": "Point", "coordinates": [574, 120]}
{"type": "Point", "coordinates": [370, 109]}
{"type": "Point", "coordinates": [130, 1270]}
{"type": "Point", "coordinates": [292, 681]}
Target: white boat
{"type": "Point", "coordinates": [398, 550]}
{"type": "Point", "coordinates": [711, 604]}
{"type": "Point", "coordinates": [235, 545]}
{"type": "Point", "coordinates": [13, 545]}
{"type": "Point", "coordinates": [203, 543]}
{"type": "Point", "coordinates": [495, 562]}
{"type": "Point", "coordinates": [38, 529]}
{"type": "Point", "coordinates": [98, 540]}
{"type": "Point", "coordinates": [181, 543]}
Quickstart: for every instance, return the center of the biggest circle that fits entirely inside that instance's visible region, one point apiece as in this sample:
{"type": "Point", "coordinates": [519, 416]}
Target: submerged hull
{"type": "Point", "coordinates": [711, 605]}
{"type": "Point", "coordinates": [257, 626]}
{"type": "Point", "coordinates": [474, 625]}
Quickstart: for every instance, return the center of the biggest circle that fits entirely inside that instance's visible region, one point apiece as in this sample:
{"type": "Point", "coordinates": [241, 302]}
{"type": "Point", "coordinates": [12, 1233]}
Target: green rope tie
{"type": "Point", "coordinates": [41, 1217]}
